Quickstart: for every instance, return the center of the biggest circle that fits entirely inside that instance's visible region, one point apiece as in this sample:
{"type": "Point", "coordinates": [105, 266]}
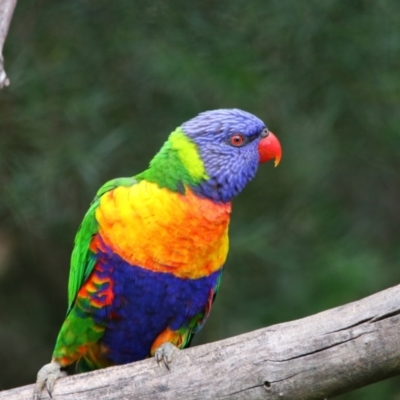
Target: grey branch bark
{"type": "Point", "coordinates": [317, 357]}
{"type": "Point", "coordinates": [6, 11]}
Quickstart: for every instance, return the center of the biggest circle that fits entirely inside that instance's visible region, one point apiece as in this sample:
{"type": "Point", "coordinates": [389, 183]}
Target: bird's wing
{"type": "Point", "coordinates": [199, 320]}
{"type": "Point", "coordinates": [83, 259]}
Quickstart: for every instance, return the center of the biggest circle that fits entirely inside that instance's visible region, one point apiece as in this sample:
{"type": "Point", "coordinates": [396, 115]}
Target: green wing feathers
{"type": "Point", "coordinates": [82, 259]}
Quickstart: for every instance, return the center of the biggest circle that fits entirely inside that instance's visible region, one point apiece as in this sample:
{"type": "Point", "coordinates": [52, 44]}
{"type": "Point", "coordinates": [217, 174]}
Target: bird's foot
{"type": "Point", "coordinates": [47, 376]}
{"type": "Point", "coordinates": [164, 353]}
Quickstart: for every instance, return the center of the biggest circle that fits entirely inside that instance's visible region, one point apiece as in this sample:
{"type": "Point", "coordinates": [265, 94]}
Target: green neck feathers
{"type": "Point", "coordinates": [176, 165]}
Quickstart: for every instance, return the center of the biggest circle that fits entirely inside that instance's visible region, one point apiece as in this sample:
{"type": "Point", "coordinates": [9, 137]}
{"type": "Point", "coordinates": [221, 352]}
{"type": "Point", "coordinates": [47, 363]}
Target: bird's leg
{"type": "Point", "coordinates": [164, 353]}
{"type": "Point", "coordinates": [47, 376]}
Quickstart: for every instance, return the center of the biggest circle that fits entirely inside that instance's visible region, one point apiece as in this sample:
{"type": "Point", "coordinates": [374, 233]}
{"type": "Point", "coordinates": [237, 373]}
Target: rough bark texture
{"type": "Point", "coordinates": [316, 357]}
{"type": "Point", "coordinates": [6, 11]}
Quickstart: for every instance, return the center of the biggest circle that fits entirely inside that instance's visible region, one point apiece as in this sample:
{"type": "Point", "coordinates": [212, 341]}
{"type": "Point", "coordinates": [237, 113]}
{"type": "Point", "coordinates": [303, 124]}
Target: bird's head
{"type": "Point", "coordinates": [231, 143]}
{"type": "Point", "coordinates": [214, 154]}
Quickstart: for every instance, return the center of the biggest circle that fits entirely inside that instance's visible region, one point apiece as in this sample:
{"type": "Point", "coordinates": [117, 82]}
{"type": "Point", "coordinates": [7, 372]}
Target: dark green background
{"type": "Point", "coordinates": [98, 85]}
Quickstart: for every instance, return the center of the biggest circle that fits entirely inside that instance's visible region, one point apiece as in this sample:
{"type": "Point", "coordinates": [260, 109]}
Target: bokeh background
{"type": "Point", "coordinates": [96, 86]}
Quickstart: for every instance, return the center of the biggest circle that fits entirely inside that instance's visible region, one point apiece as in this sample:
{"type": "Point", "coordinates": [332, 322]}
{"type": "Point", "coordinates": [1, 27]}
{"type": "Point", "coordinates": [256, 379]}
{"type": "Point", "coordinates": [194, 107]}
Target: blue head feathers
{"type": "Point", "coordinates": [227, 141]}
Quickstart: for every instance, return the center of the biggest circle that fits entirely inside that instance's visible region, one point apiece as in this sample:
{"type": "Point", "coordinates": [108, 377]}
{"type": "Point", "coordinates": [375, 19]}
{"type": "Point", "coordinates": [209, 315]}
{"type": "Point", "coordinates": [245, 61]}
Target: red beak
{"type": "Point", "coordinates": [269, 148]}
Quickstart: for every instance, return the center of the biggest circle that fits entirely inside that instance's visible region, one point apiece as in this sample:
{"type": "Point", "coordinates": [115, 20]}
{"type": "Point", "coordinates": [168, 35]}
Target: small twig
{"type": "Point", "coordinates": [6, 12]}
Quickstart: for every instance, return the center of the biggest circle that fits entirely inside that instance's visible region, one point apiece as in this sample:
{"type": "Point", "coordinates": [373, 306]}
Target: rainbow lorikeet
{"type": "Point", "coordinates": [149, 254]}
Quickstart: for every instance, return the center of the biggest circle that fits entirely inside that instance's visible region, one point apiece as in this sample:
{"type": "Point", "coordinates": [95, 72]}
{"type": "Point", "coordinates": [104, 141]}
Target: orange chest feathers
{"type": "Point", "coordinates": [165, 231]}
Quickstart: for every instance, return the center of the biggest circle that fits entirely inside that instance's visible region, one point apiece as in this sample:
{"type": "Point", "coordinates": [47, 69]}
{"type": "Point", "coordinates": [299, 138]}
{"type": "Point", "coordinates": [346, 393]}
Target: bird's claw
{"type": "Point", "coordinates": [47, 376]}
{"type": "Point", "coordinates": [164, 353]}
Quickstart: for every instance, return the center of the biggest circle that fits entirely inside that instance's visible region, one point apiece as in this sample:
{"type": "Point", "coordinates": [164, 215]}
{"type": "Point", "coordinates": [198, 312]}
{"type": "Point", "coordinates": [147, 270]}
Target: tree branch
{"type": "Point", "coordinates": [6, 11]}
{"type": "Point", "coordinates": [317, 357]}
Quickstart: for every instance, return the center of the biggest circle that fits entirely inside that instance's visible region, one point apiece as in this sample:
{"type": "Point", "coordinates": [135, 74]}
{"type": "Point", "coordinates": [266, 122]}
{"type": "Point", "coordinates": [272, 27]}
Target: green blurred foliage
{"type": "Point", "coordinates": [98, 85]}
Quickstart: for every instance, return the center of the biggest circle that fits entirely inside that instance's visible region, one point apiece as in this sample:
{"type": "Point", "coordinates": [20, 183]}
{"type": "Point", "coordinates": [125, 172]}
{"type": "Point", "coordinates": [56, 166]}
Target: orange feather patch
{"type": "Point", "coordinates": [164, 231]}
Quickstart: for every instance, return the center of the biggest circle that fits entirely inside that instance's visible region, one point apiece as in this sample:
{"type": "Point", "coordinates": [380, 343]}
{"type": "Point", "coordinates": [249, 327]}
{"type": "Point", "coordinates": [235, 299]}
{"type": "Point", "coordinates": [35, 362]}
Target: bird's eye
{"type": "Point", "coordinates": [264, 133]}
{"type": "Point", "coordinates": [236, 140]}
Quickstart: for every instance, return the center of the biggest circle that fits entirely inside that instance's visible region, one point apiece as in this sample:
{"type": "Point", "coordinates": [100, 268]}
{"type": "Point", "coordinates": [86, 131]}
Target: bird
{"type": "Point", "coordinates": [148, 257]}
